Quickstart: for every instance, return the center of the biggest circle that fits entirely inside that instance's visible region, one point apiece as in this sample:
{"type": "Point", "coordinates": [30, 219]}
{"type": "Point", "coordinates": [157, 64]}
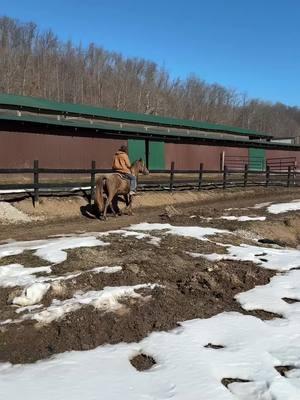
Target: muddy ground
{"type": "Point", "coordinates": [186, 288]}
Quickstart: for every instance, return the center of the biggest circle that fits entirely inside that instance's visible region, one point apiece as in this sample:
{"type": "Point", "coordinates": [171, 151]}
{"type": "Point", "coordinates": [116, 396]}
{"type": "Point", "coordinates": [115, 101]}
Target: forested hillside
{"type": "Point", "coordinates": [38, 64]}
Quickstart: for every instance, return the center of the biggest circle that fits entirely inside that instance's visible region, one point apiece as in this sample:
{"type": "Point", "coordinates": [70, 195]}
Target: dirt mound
{"type": "Point", "coordinates": [142, 362]}
{"type": "Point", "coordinates": [10, 214]}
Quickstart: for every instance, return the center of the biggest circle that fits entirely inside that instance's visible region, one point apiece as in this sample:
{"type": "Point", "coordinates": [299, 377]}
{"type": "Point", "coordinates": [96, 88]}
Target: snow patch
{"type": "Point", "coordinates": [106, 300]}
{"type": "Point", "coordinates": [138, 235]}
{"type": "Point", "coordinates": [275, 259]}
{"type": "Point", "coordinates": [185, 369]}
{"type": "Point", "coordinates": [50, 250]}
{"type": "Point", "coordinates": [16, 275]}
{"type": "Point", "coordinates": [270, 297]}
{"type": "Point", "coordinates": [284, 207]}
{"type": "Point", "coordinates": [107, 270]}
{"type": "Point", "coordinates": [32, 294]}
{"type": "Point", "coordinates": [261, 205]}
{"type": "Point", "coordinates": [195, 232]}
{"type": "Point", "coordinates": [242, 218]}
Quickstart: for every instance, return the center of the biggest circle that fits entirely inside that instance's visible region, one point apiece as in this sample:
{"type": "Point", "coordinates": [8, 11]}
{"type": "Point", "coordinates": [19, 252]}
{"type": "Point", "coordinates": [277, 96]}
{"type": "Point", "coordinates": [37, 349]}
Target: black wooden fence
{"type": "Point", "coordinates": [170, 180]}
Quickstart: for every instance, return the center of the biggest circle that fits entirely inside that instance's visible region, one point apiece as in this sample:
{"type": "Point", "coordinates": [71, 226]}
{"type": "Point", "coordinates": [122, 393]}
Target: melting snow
{"type": "Point", "coordinates": [107, 270]}
{"type": "Point", "coordinates": [242, 218]}
{"type": "Point", "coordinates": [51, 250]}
{"type": "Point", "coordinates": [106, 300]}
{"type": "Point", "coordinates": [185, 369]}
{"type": "Point", "coordinates": [261, 205]}
{"type": "Point", "coordinates": [187, 231]}
{"type": "Point", "coordinates": [16, 275]}
{"type": "Point", "coordinates": [32, 295]}
{"type": "Point", "coordinates": [267, 257]}
{"type": "Point", "coordinates": [138, 235]}
{"type": "Point", "coordinates": [284, 207]}
{"type": "Point", "coordinates": [270, 297]}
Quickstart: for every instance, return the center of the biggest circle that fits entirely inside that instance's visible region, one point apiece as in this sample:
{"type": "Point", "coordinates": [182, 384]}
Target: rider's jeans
{"type": "Point", "coordinates": [133, 182]}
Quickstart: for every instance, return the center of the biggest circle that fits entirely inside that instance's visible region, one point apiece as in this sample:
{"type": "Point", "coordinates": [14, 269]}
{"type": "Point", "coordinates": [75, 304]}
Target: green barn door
{"type": "Point", "coordinates": [257, 159]}
{"type": "Point", "coordinates": [156, 156]}
{"type": "Point", "coordinates": [156, 153]}
{"type": "Point", "coordinates": [136, 149]}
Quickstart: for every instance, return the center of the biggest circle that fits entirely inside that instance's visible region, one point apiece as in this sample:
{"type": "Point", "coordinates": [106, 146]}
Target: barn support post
{"type": "Point", "coordinates": [93, 176]}
{"type": "Point", "coordinates": [225, 172]}
{"type": "Point", "coordinates": [246, 175]}
{"type": "Point", "coordinates": [267, 175]}
{"type": "Point", "coordinates": [36, 182]}
{"type": "Point", "coordinates": [200, 176]}
{"type": "Point", "coordinates": [289, 176]}
{"type": "Point", "coordinates": [172, 176]}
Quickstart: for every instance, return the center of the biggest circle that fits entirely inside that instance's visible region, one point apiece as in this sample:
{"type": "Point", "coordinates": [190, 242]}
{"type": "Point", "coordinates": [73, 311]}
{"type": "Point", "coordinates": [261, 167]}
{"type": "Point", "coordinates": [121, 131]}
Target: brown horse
{"type": "Point", "coordinates": [114, 185]}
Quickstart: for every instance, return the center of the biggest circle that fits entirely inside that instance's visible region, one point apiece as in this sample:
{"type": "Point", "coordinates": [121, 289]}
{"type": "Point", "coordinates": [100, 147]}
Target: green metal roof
{"type": "Point", "coordinates": [42, 105]}
{"type": "Point", "coordinates": [109, 130]}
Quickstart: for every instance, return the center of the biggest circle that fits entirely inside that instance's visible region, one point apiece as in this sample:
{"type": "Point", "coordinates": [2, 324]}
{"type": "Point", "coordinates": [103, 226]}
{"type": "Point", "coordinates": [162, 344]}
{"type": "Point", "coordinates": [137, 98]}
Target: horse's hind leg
{"type": "Point", "coordinates": [109, 203]}
{"type": "Point", "coordinates": [105, 208]}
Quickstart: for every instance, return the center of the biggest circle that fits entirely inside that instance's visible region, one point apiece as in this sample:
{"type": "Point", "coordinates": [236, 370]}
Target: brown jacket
{"type": "Point", "coordinates": [121, 162]}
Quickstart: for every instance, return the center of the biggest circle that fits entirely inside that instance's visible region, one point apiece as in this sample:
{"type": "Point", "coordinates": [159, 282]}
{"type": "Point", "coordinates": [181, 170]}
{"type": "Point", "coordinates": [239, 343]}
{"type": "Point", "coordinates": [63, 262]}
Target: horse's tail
{"type": "Point", "coordinates": [99, 199]}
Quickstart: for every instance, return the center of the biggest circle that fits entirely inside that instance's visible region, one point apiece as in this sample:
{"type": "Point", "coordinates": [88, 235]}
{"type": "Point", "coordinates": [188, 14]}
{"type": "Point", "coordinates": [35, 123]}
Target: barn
{"type": "Point", "coordinates": [62, 135]}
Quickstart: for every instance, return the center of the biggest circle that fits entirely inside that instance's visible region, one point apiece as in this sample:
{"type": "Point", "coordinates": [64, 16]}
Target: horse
{"type": "Point", "coordinates": [114, 185]}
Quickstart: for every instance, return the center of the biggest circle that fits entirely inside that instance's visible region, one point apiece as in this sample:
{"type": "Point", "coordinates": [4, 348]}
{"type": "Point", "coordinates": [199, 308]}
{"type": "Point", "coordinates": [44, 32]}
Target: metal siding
{"type": "Point", "coordinates": [53, 151]}
{"type": "Point", "coordinates": [283, 154]}
{"type": "Point", "coordinates": [188, 156]}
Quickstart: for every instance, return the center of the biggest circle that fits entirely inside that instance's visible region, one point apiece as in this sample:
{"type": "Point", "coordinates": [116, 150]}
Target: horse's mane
{"type": "Point", "coordinates": [136, 161]}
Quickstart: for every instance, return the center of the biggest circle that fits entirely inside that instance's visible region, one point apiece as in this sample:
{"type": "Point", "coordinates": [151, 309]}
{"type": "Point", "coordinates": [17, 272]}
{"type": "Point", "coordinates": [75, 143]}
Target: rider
{"type": "Point", "coordinates": [121, 165]}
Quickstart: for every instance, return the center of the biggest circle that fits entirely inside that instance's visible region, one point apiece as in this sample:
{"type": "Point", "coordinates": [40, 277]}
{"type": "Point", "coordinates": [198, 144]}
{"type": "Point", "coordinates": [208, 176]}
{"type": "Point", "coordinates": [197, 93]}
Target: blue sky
{"type": "Point", "coordinates": [248, 45]}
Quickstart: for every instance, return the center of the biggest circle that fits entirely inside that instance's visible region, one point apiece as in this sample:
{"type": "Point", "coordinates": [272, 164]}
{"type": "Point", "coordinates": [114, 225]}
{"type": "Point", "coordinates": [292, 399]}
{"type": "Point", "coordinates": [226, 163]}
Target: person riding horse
{"type": "Point", "coordinates": [121, 165]}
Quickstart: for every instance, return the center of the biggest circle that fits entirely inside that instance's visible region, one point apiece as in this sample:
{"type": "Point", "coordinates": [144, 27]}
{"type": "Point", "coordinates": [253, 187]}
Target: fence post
{"type": "Point", "coordinates": [172, 176]}
{"type": "Point", "coordinates": [36, 182]}
{"type": "Point", "coordinates": [93, 174]}
{"type": "Point", "coordinates": [200, 176]}
{"type": "Point", "coordinates": [224, 177]}
{"type": "Point", "coordinates": [289, 176]}
{"type": "Point", "coordinates": [246, 175]}
{"type": "Point", "coordinates": [267, 175]}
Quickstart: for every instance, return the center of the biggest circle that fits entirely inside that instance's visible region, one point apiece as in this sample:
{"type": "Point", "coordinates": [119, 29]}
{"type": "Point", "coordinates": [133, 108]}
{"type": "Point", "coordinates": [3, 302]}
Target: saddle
{"type": "Point", "coordinates": [122, 176]}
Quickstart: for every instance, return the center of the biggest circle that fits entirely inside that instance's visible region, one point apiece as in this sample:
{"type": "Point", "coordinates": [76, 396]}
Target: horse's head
{"type": "Point", "coordinates": [142, 169]}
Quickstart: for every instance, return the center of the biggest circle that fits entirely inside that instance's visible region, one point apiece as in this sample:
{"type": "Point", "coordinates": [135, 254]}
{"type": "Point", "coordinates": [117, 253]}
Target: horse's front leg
{"type": "Point", "coordinates": [129, 207]}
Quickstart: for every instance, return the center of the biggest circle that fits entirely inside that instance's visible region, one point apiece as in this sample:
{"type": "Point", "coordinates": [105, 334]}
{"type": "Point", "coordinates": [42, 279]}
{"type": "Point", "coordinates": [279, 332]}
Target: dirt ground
{"type": "Point", "coordinates": [66, 215]}
{"type": "Point", "coordinates": [186, 288]}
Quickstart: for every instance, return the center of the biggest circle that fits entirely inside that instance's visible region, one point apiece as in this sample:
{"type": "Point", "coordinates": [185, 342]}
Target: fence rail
{"type": "Point", "coordinates": [259, 163]}
{"type": "Point", "coordinates": [282, 163]}
{"type": "Point", "coordinates": [166, 179]}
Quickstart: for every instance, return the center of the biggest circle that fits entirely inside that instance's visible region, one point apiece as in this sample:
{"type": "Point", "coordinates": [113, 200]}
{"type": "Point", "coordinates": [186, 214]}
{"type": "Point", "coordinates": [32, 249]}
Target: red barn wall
{"type": "Point", "coordinates": [189, 156]}
{"type": "Point", "coordinates": [283, 154]}
{"type": "Point", "coordinates": [55, 151]}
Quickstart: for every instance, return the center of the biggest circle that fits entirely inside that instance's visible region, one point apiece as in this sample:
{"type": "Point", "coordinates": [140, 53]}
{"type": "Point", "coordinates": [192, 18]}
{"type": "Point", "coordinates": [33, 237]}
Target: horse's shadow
{"type": "Point", "coordinates": [91, 211]}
